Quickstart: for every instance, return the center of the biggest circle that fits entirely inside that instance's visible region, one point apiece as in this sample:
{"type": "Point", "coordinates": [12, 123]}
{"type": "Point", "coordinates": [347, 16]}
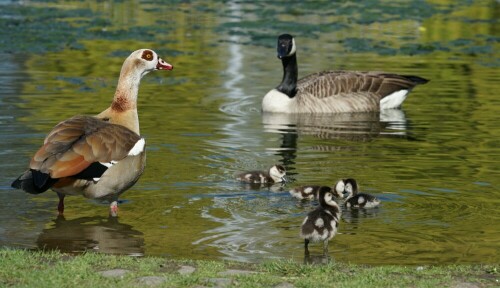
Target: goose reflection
{"type": "Point", "coordinates": [359, 127]}
{"type": "Point", "coordinates": [353, 127]}
{"type": "Point", "coordinates": [354, 215]}
{"type": "Point", "coordinates": [99, 234]}
{"type": "Point", "coordinates": [276, 187]}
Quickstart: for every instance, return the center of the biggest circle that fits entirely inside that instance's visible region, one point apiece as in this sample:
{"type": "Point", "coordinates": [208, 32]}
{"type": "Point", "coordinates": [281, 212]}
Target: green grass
{"type": "Point", "coordinates": [22, 268]}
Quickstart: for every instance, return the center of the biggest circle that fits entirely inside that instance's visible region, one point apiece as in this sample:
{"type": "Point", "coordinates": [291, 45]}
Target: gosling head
{"type": "Point", "coordinates": [347, 187]}
{"type": "Point", "coordinates": [325, 197]}
{"type": "Point", "coordinates": [277, 173]}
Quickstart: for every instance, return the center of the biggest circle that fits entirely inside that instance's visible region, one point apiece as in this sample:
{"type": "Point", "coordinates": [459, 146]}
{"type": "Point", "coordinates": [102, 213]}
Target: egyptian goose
{"type": "Point", "coordinates": [334, 91]}
{"type": "Point", "coordinates": [310, 192]}
{"type": "Point", "coordinates": [275, 174]}
{"type": "Point", "coordinates": [349, 187]}
{"type": "Point", "coordinates": [100, 156]}
{"type": "Point", "coordinates": [322, 223]}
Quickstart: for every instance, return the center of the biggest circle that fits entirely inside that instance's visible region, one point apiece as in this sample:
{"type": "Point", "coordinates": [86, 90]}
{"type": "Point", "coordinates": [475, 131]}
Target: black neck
{"type": "Point", "coordinates": [290, 72]}
{"type": "Point", "coordinates": [334, 210]}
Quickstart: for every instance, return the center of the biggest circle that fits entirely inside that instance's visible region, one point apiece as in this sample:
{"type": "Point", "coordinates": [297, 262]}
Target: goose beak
{"type": "Point", "coordinates": [162, 65]}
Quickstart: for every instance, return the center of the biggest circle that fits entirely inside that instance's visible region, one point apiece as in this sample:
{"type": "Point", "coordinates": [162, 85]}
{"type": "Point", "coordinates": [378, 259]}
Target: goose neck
{"type": "Point", "coordinates": [126, 92]}
{"type": "Point", "coordinates": [290, 73]}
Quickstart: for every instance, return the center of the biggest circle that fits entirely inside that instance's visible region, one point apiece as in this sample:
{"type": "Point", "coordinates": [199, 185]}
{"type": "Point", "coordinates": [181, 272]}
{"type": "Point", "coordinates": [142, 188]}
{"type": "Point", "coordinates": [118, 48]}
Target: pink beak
{"type": "Point", "coordinates": [162, 65]}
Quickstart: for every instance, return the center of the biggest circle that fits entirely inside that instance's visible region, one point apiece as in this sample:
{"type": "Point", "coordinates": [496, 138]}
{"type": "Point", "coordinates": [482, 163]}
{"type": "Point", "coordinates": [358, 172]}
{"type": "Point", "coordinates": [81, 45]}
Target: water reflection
{"type": "Point", "coordinates": [319, 259]}
{"type": "Point", "coordinates": [352, 127]}
{"type": "Point", "coordinates": [99, 234]}
{"type": "Point", "coordinates": [435, 209]}
{"type": "Point", "coordinates": [358, 127]}
{"type": "Point", "coordinates": [354, 216]}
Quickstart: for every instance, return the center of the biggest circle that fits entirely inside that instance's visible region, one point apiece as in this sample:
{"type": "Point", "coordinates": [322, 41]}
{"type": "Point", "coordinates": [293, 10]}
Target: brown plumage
{"type": "Point", "coordinates": [97, 157]}
{"type": "Point", "coordinates": [334, 91]}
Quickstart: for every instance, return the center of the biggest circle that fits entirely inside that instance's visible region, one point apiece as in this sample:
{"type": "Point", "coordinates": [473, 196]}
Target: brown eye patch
{"type": "Point", "coordinates": [147, 55]}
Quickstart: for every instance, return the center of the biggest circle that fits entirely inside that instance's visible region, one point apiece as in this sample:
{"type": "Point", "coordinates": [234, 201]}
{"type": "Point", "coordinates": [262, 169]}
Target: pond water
{"type": "Point", "coordinates": [434, 164]}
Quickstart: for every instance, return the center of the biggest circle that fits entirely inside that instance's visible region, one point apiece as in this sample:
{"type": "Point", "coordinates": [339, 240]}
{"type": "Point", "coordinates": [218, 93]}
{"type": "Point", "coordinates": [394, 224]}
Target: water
{"type": "Point", "coordinates": [434, 164]}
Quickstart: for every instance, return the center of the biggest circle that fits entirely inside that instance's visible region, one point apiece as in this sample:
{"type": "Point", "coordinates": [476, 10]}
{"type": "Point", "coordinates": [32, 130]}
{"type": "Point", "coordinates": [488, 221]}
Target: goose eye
{"type": "Point", "coordinates": [147, 55]}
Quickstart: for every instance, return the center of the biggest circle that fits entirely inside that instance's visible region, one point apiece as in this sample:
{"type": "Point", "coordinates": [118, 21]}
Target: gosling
{"type": "Point", "coordinates": [275, 174]}
{"type": "Point", "coordinates": [310, 192]}
{"type": "Point", "coordinates": [353, 199]}
{"type": "Point", "coordinates": [322, 223]}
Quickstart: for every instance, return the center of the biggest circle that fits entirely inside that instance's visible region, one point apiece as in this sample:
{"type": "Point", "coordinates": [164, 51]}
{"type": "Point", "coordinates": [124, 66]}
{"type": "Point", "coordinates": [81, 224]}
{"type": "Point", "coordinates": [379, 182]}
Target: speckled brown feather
{"type": "Point", "coordinates": [79, 141]}
{"type": "Point", "coordinates": [343, 91]}
{"type": "Point", "coordinates": [343, 83]}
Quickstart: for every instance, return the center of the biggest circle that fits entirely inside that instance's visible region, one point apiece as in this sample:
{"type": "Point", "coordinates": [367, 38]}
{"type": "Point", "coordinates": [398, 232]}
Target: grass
{"type": "Point", "coordinates": [22, 268]}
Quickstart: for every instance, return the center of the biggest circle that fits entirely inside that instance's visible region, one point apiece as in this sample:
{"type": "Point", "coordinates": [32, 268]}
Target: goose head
{"type": "Point", "coordinates": [144, 61]}
{"type": "Point", "coordinates": [286, 46]}
{"type": "Point", "coordinates": [277, 173]}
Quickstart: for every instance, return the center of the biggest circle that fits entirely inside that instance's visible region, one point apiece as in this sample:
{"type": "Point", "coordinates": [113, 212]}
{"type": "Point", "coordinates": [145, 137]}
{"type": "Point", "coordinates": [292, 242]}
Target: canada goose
{"type": "Point", "coordinates": [100, 156]}
{"type": "Point", "coordinates": [334, 91]}
{"type": "Point", "coordinates": [275, 174]}
{"type": "Point", "coordinates": [310, 192]}
{"type": "Point", "coordinates": [353, 199]}
{"type": "Point", "coordinates": [322, 223]}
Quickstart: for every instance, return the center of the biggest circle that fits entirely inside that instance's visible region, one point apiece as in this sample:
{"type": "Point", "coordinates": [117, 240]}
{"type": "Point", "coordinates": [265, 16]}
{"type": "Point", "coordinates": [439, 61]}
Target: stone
{"type": "Point", "coordinates": [114, 273]}
{"type": "Point", "coordinates": [220, 282]}
{"type": "Point", "coordinates": [151, 280]}
{"type": "Point", "coordinates": [185, 270]}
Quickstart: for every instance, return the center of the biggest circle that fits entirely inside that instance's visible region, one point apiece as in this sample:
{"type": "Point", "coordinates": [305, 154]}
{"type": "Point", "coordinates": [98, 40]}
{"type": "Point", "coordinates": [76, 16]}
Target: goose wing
{"type": "Point", "coordinates": [350, 83]}
{"type": "Point", "coordinates": [73, 145]}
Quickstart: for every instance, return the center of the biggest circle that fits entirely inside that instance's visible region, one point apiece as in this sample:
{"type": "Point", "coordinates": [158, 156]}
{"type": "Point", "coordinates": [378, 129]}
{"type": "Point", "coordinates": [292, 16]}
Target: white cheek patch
{"type": "Point", "coordinates": [294, 48]}
{"type": "Point", "coordinates": [138, 148]}
{"type": "Point", "coordinates": [348, 187]}
{"type": "Point", "coordinates": [308, 190]}
{"type": "Point", "coordinates": [340, 187]}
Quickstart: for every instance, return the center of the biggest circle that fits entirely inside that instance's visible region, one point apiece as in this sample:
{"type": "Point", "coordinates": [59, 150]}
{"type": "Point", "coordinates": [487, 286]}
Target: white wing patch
{"type": "Point", "coordinates": [109, 164]}
{"type": "Point", "coordinates": [138, 148]}
{"type": "Point", "coordinates": [361, 199]}
{"type": "Point", "coordinates": [319, 223]}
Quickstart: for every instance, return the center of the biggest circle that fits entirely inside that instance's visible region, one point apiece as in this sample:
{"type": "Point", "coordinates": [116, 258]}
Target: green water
{"type": "Point", "coordinates": [434, 164]}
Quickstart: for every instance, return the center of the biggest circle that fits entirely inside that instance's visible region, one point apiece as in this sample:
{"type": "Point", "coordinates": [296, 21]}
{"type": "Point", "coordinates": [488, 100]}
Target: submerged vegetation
{"type": "Point", "coordinates": [53, 26]}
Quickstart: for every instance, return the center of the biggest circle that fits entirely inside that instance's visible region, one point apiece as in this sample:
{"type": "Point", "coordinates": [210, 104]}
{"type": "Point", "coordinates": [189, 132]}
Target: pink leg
{"type": "Point", "coordinates": [113, 209]}
{"type": "Point", "coordinates": [60, 206]}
